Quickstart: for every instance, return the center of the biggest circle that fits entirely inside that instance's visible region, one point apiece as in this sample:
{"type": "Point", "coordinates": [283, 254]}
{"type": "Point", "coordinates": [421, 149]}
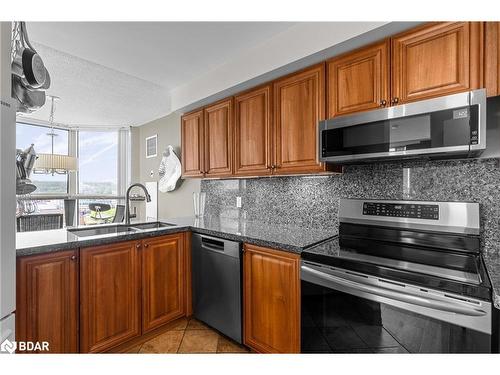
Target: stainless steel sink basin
{"type": "Point", "coordinates": [152, 225]}
{"type": "Point", "coordinates": [99, 231]}
{"type": "Point", "coordinates": [118, 229]}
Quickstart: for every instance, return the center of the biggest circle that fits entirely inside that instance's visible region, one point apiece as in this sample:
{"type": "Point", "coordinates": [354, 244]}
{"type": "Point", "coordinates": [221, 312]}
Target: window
{"type": "Point", "coordinates": [27, 134]}
{"type": "Point", "coordinates": [103, 158]}
{"type": "Point", "coordinates": [98, 159]}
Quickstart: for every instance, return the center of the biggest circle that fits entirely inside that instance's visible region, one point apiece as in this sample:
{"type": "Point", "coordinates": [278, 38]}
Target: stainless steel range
{"type": "Point", "coordinates": [403, 276]}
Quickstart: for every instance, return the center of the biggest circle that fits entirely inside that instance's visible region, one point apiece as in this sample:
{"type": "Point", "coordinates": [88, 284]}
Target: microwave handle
{"type": "Point", "coordinates": [366, 291]}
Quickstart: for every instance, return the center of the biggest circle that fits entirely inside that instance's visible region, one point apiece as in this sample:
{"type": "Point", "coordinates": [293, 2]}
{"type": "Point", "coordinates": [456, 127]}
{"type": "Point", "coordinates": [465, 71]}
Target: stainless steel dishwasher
{"type": "Point", "coordinates": [216, 277]}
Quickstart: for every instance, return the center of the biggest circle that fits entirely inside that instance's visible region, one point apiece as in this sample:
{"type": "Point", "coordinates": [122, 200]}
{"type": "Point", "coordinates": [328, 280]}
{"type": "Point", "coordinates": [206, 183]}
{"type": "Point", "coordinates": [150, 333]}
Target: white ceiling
{"type": "Point", "coordinates": [95, 95]}
{"type": "Point", "coordinates": [125, 73]}
{"type": "Point", "coordinates": [165, 53]}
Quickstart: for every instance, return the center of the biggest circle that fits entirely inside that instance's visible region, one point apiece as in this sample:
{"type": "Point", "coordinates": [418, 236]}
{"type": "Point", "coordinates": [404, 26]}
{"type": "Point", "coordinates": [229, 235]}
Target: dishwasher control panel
{"type": "Point", "coordinates": [414, 211]}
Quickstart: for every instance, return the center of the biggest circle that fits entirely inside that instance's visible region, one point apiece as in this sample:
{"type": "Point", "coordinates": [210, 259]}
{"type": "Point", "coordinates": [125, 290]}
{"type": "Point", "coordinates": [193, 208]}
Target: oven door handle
{"type": "Point", "coordinates": [365, 290]}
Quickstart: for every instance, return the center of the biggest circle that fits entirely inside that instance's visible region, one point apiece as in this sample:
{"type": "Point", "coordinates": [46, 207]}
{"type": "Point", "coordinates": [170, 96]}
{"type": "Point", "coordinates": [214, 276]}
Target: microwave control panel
{"type": "Point", "coordinates": [413, 211]}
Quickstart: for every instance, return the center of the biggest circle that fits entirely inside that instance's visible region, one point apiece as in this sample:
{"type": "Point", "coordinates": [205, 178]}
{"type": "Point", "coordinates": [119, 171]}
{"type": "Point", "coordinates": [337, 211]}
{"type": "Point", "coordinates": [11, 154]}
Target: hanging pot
{"type": "Point", "coordinates": [27, 100]}
{"type": "Point", "coordinates": [30, 78]}
{"type": "Point", "coordinates": [28, 65]}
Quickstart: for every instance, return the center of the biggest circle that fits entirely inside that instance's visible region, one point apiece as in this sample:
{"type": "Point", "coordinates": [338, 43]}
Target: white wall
{"type": "Point", "coordinates": [177, 203]}
{"type": "Point", "coordinates": [293, 44]}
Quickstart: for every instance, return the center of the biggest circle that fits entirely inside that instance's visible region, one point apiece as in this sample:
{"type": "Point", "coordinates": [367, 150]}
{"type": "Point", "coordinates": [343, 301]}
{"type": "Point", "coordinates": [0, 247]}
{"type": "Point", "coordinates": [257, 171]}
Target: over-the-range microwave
{"type": "Point", "coordinates": [448, 126]}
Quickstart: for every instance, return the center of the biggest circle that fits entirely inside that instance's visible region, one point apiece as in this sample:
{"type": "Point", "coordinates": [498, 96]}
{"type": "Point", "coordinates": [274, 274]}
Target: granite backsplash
{"type": "Point", "coordinates": [313, 201]}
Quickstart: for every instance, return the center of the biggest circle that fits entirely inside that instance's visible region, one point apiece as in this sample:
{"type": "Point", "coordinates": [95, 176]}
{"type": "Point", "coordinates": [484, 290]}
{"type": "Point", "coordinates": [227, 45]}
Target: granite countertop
{"type": "Point", "coordinates": [47, 241]}
{"type": "Point", "coordinates": [279, 236]}
{"type": "Point", "coordinates": [492, 262]}
{"type": "Point", "coordinates": [288, 237]}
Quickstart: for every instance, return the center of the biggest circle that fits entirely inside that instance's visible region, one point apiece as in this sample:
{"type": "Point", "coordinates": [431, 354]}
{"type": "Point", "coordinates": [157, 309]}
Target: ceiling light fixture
{"type": "Point", "coordinates": [54, 163]}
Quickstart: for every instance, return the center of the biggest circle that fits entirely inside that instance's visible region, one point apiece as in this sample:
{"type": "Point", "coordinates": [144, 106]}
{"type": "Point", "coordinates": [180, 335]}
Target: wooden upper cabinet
{"type": "Point", "coordinates": [163, 280]}
{"type": "Point", "coordinates": [47, 300]}
{"type": "Point", "coordinates": [359, 80]}
{"type": "Point", "coordinates": [437, 59]}
{"type": "Point", "coordinates": [219, 138]}
{"type": "Point", "coordinates": [492, 58]}
{"type": "Point", "coordinates": [109, 295]}
{"type": "Point", "coordinates": [271, 295]}
{"type": "Point", "coordinates": [252, 132]}
{"type": "Point", "coordinates": [192, 152]}
{"type": "Point", "coordinates": [299, 104]}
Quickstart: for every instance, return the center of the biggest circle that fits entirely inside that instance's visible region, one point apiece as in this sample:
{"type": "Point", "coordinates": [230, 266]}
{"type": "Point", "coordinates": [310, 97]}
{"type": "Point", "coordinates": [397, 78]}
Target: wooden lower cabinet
{"type": "Point", "coordinates": [109, 295]}
{"type": "Point", "coordinates": [105, 297]}
{"type": "Point", "coordinates": [47, 300]}
{"type": "Point", "coordinates": [271, 294]}
{"type": "Point", "coordinates": [163, 280]}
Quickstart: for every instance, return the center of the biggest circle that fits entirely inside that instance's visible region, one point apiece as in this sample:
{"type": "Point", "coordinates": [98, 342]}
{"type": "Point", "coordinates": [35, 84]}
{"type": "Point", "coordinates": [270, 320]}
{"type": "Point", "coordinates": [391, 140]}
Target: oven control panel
{"type": "Point", "coordinates": [414, 211]}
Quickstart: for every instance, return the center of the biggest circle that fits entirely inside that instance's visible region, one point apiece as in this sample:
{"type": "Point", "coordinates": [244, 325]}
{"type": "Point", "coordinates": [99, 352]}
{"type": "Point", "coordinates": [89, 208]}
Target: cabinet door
{"type": "Point", "coordinates": [438, 59]}
{"type": "Point", "coordinates": [492, 58]}
{"type": "Point", "coordinates": [252, 132]}
{"type": "Point", "coordinates": [47, 300]}
{"type": "Point", "coordinates": [358, 81]}
{"type": "Point", "coordinates": [163, 279]}
{"type": "Point", "coordinates": [192, 153]}
{"type": "Point", "coordinates": [299, 103]}
{"type": "Point", "coordinates": [271, 283]}
{"type": "Point", "coordinates": [219, 138]}
{"type": "Point", "coordinates": [109, 295]}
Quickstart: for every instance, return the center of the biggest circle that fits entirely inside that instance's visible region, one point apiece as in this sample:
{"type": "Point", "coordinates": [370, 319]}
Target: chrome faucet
{"type": "Point", "coordinates": [128, 216]}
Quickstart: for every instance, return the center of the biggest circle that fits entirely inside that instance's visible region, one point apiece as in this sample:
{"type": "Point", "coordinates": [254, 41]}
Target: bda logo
{"type": "Point", "coordinates": [8, 346]}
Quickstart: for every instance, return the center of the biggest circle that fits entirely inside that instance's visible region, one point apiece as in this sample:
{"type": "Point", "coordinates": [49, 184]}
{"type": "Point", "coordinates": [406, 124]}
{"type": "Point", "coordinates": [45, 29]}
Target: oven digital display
{"type": "Point", "coordinates": [414, 211]}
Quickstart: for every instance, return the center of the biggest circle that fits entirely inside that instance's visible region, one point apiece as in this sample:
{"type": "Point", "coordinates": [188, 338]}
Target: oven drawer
{"type": "Point", "coordinates": [344, 311]}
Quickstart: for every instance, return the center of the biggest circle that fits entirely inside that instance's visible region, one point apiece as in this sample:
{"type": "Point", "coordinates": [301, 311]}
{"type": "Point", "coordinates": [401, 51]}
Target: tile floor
{"type": "Point", "coordinates": [189, 336]}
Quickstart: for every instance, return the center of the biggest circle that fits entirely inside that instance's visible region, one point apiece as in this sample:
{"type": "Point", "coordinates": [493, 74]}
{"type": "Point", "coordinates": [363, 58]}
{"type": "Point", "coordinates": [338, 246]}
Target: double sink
{"type": "Point", "coordinates": [116, 229]}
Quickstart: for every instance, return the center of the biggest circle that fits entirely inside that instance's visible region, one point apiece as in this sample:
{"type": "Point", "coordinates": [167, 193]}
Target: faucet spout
{"type": "Point", "coordinates": [127, 200]}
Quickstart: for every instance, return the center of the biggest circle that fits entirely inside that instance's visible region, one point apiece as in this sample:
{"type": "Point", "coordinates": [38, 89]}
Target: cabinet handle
{"type": "Point", "coordinates": [73, 257]}
{"type": "Point", "coordinates": [138, 245]}
{"type": "Point", "coordinates": [383, 103]}
{"type": "Point", "coordinates": [395, 100]}
{"type": "Point", "coordinates": [146, 245]}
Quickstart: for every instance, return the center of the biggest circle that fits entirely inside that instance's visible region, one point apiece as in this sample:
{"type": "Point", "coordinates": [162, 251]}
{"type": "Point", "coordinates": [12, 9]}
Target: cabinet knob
{"type": "Point", "coordinates": [273, 166]}
{"type": "Point", "coordinates": [146, 245]}
{"type": "Point", "coordinates": [73, 257]}
{"type": "Point", "coordinates": [383, 103]}
{"type": "Point", "coordinates": [395, 100]}
{"type": "Point", "coordinates": [138, 245]}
